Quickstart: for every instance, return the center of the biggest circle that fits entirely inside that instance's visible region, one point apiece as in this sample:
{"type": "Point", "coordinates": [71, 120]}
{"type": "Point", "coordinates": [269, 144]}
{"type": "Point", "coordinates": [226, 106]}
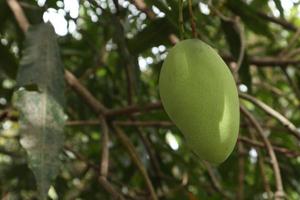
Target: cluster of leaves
{"type": "Point", "coordinates": [114, 41]}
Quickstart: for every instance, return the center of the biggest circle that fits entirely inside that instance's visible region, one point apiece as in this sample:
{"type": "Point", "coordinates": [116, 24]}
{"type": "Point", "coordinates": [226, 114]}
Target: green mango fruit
{"type": "Point", "coordinates": [199, 94]}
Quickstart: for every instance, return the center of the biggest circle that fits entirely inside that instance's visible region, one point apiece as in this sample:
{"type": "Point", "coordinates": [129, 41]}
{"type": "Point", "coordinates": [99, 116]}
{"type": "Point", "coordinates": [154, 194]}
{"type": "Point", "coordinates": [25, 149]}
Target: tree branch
{"type": "Point", "coordinates": [140, 5]}
{"type": "Point", "coordinates": [105, 150]}
{"type": "Point", "coordinates": [74, 83]}
{"type": "Point", "coordinates": [19, 14]}
{"type": "Point", "coordinates": [241, 170]}
{"type": "Point", "coordinates": [132, 109]}
{"type": "Point", "coordinates": [102, 180]}
{"type": "Point", "coordinates": [215, 181]}
{"type": "Point", "coordinates": [260, 157]}
{"type": "Point", "coordinates": [264, 61]}
{"type": "Point", "coordinates": [273, 113]}
{"type": "Point", "coordinates": [192, 19]}
{"type": "Point", "coordinates": [135, 158]}
{"type": "Point", "coordinates": [285, 24]}
{"type": "Point", "coordinates": [282, 150]}
{"type": "Point", "coordinates": [279, 194]}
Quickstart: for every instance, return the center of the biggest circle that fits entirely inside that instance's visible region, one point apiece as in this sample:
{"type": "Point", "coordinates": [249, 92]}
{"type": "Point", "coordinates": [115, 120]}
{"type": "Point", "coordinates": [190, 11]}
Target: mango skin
{"type": "Point", "coordinates": [199, 94]}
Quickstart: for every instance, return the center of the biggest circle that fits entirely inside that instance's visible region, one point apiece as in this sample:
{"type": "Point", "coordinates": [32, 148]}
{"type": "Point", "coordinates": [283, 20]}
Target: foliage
{"type": "Point", "coordinates": [116, 53]}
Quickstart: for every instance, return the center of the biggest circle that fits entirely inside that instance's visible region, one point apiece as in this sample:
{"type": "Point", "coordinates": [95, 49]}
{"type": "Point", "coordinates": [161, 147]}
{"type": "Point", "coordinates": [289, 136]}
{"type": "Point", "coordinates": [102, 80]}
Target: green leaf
{"type": "Point", "coordinates": [279, 7]}
{"type": "Point", "coordinates": [234, 42]}
{"type": "Point", "coordinates": [259, 3]}
{"type": "Point", "coordinates": [249, 15]}
{"type": "Point", "coordinates": [41, 107]}
{"type": "Point", "coordinates": [156, 33]}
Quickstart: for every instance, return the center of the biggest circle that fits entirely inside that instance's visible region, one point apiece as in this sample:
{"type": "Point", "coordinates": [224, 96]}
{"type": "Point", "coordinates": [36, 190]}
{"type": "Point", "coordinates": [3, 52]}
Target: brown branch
{"type": "Point", "coordinates": [241, 31]}
{"type": "Point", "coordinates": [105, 149]}
{"type": "Point", "coordinates": [130, 87]}
{"type": "Point", "coordinates": [282, 150]}
{"type": "Point", "coordinates": [265, 85]}
{"type": "Point", "coordinates": [291, 43]}
{"type": "Point", "coordinates": [110, 189]}
{"type": "Point", "coordinates": [260, 163]}
{"type": "Point", "coordinates": [19, 14]}
{"type": "Point", "coordinates": [145, 123]}
{"type": "Point", "coordinates": [263, 175]}
{"type": "Point", "coordinates": [273, 113]}
{"type": "Point", "coordinates": [279, 188]}
{"type": "Point", "coordinates": [135, 158]}
{"type": "Point", "coordinates": [215, 181]}
{"type": "Point", "coordinates": [122, 123]}
{"type": "Point", "coordinates": [264, 61]}
{"type": "Point", "coordinates": [82, 158]}
{"type": "Point", "coordinates": [241, 171]}
{"type": "Point", "coordinates": [192, 19]}
{"type": "Point", "coordinates": [151, 152]}
{"type": "Point", "coordinates": [285, 24]}
{"type": "Point", "coordinates": [140, 5]}
{"type": "Point", "coordinates": [272, 62]}
{"type": "Point", "coordinates": [74, 83]}
{"type": "Point", "coordinates": [83, 122]}
{"type": "Point", "coordinates": [102, 180]}
{"type": "Point", "coordinates": [133, 109]}
{"type": "Point", "coordinates": [293, 84]}
{"type": "Point", "coordinates": [180, 19]}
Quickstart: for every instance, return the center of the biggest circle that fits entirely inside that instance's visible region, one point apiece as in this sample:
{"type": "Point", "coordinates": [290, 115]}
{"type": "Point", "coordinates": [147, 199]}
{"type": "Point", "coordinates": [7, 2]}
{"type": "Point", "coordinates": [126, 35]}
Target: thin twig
{"type": "Point", "coordinates": [133, 109]}
{"type": "Point", "coordinates": [279, 188]}
{"type": "Point", "coordinates": [291, 44]}
{"type": "Point", "coordinates": [242, 43]}
{"type": "Point", "coordinates": [122, 123]}
{"type": "Point", "coordinates": [282, 150]}
{"type": "Point", "coordinates": [74, 83]}
{"type": "Point", "coordinates": [145, 123]}
{"type": "Point", "coordinates": [215, 181]}
{"type": "Point", "coordinates": [105, 150]}
{"type": "Point", "coordinates": [192, 19]}
{"type": "Point", "coordinates": [283, 54]}
{"type": "Point", "coordinates": [82, 158]}
{"type": "Point", "coordinates": [102, 180]}
{"type": "Point", "coordinates": [241, 171]}
{"type": "Point", "coordinates": [180, 19]}
{"type": "Point", "coordinates": [273, 113]}
{"type": "Point", "coordinates": [265, 61]}
{"type": "Point", "coordinates": [260, 157]}
{"type": "Point", "coordinates": [135, 158]}
{"type": "Point", "coordinates": [293, 84]}
{"type": "Point", "coordinates": [110, 189]}
{"type": "Point", "coordinates": [285, 24]}
{"type": "Point", "coordinates": [151, 152]}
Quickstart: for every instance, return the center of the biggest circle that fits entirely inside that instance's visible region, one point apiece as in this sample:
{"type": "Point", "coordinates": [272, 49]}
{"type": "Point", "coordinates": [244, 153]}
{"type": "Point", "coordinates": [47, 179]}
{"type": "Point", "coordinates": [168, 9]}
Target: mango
{"type": "Point", "coordinates": [199, 94]}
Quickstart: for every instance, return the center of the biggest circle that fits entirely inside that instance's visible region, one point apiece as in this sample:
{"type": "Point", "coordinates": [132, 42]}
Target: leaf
{"type": "Point", "coordinates": [41, 107]}
{"type": "Point", "coordinates": [259, 4]}
{"type": "Point", "coordinates": [249, 15]}
{"type": "Point", "coordinates": [279, 7]}
{"type": "Point", "coordinates": [234, 42]}
{"type": "Point", "coordinates": [156, 33]}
